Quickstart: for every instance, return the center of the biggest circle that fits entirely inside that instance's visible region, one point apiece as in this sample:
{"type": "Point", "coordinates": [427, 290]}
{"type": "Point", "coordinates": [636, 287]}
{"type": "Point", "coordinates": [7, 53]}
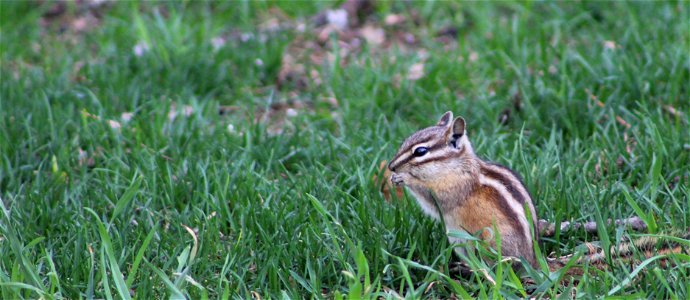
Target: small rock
{"type": "Point", "coordinates": [416, 72]}
{"type": "Point", "coordinates": [217, 43]}
{"type": "Point", "coordinates": [474, 56]}
{"type": "Point", "coordinates": [291, 112]}
{"type": "Point", "coordinates": [393, 19]}
{"type": "Point", "coordinates": [114, 124]}
{"type": "Point", "coordinates": [337, 18]}
{"type": "Point", "coordinates": [140, 48]}
{"type": "Point", "coordinates": [373, 35]}
{"type": "Point", "coordinates": [126, 117]}
{"type": "Point", "coordinates": [609, 45]}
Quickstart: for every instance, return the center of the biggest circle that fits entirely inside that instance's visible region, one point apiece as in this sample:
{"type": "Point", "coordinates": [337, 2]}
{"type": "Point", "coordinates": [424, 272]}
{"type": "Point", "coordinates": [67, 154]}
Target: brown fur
{"type": "Point", "coordinates": [484, 207]}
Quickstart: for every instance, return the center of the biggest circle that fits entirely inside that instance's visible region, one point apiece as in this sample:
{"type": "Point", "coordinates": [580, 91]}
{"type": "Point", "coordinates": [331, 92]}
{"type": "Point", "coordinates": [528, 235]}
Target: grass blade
{"type": "Point", "coordinates": [127, 196]}
{"type": "Point", "coordinates": [642, 266]}
{"type": "Point", "coordinates": [15, 244]}
{"type": "Point", "coordinates": [23, 286]}
{"type": "Point", "coordinates": [457, 288]}
{"type": "Point", "coordinates": [647, 218]}
{"type": "Point", "coordinates": [140, 254]}
{"type": "Point", "coordinates": [104, 276]}
{"type": "Point", "coordinates": [118, 278]}
{"type": "Point", "coordinates": [176, 293]}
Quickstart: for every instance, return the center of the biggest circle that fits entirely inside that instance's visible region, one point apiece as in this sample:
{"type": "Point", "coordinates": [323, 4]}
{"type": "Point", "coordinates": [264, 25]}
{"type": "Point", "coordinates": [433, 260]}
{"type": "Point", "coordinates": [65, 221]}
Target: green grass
{"type": "Point", "coordinates": [188, 208]}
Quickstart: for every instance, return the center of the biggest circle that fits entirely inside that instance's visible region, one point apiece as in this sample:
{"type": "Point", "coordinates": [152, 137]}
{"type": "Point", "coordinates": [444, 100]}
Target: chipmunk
{"type": "Point", "coordinates": [438, 166]}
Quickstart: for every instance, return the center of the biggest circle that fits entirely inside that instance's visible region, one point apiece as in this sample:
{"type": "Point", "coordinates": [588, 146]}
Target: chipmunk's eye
{"type": "Point", "coordinates": [420, 151]}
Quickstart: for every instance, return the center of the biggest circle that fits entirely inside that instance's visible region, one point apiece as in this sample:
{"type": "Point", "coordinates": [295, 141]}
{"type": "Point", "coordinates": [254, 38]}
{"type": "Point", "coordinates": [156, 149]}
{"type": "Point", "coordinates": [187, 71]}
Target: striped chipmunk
{"type": "Point", "coordinates": [438, 166]}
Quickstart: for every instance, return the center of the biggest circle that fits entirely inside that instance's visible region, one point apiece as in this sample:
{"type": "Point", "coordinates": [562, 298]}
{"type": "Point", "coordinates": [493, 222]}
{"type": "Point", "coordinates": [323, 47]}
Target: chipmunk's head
{"type": "Point", "coordinates": [433, 153]}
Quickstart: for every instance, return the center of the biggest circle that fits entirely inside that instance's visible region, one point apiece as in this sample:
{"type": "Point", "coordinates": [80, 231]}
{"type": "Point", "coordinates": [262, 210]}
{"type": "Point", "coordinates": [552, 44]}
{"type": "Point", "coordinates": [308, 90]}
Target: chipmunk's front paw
{"type": "Point", "coordinates": [397, 179]}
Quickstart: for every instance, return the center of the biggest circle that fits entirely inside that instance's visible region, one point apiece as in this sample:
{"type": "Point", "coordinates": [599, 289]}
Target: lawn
{"type": "Point", "coordinates": [229, 149]}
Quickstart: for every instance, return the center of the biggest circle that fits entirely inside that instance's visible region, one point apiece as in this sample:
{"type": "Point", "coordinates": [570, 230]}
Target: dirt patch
{"type": "Point", "coordinates": [72, 17]}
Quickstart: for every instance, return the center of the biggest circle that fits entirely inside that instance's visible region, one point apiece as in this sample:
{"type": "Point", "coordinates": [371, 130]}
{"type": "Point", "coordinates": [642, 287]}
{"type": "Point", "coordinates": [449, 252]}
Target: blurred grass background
{"type": "Point", "coordinates": [227, 149]}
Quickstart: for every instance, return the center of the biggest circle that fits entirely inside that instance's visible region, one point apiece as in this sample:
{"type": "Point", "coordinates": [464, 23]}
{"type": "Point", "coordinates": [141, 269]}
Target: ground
{"type": "Point", "coordinates": [211, 149]}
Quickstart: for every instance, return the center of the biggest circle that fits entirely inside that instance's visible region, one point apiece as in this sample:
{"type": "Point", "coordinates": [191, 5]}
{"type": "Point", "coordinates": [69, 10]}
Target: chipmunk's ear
{"type": "Point", "coordinates": [458, 127]}
{"type": "Point", "coordinates": [445, 119]}
{"type": "Point", "coordinates": [456, 131]}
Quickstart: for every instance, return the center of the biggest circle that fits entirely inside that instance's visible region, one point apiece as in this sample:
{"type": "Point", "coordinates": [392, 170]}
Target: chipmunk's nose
{"type": "Point", "coordinates": [391, 167]}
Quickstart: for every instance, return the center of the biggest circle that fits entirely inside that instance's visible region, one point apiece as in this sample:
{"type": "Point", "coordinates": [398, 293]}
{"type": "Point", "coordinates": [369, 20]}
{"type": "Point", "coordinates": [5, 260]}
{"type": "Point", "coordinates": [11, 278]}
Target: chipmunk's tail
{"type": "Point", "coordinates": [630, 252]}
